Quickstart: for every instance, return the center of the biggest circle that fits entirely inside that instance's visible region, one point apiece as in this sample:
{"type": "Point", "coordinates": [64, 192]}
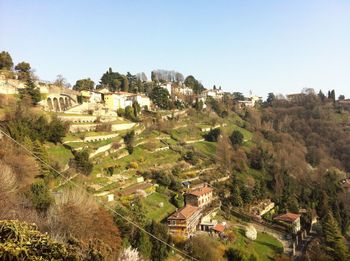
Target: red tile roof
{"type": "Point", "coordinates": [184, 213]}
{"type": "Point", "coordinates": [219, 228]}
{"type": "Point", "coordinates": [200, 191]}
{"type": "Point", "coordinates": [288, 217]}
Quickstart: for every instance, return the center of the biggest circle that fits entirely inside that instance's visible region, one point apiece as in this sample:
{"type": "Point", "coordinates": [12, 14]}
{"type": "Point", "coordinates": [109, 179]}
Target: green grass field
{"type": "Point", "coordinates": [153, 210]}
{"type": "Point", "coordinates": [265, 247]}
{"type": "Point", "coordinates": [58, 153]}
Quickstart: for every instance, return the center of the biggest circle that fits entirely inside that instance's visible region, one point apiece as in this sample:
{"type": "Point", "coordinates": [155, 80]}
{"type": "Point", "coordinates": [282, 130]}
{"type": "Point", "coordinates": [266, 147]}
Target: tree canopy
{"type": "Point", "coordinates": [84, 85]}
{"type": "Point", "coordinates": [5, 61]}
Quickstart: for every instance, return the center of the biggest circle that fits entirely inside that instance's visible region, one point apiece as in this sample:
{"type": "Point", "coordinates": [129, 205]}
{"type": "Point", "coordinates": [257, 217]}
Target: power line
{"type": "Point", "coordinates": [99, 201]}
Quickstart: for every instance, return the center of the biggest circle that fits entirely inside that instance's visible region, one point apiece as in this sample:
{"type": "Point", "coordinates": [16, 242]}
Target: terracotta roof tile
{"type": "Point", "coordinates": [184, 213]}
{"type": "Point", "coordinates": [288, 217]}
{"type": "Point", "coordinates": [200, 191]}
{"type": "Point", "coordinates": [219, 228]}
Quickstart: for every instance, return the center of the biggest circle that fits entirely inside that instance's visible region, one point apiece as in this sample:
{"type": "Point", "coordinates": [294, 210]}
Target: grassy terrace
{"type": "Point", "coordinates": [144, 159]}
{"type": "Point", "coordinates": [153, 210]}
{"type": "Point", "coordinates": [265, 246]}
{"type": "Point", "coordinates": [58, 153]}
{"type": "Point", "coordinates": [206, 147]}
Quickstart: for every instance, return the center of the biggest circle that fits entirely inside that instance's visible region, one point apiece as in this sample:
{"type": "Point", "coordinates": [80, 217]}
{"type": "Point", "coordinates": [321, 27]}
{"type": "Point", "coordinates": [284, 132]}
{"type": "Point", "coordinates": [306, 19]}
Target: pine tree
{"type": "Point", "coordinates": [40, 151]}
{"type": "Point", "coordinates": [334, 241]}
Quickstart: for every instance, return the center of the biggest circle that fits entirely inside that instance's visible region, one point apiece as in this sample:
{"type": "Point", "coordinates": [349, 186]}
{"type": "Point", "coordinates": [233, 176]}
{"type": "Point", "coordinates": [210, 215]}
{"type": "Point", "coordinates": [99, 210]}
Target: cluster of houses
{"type": "Point", "coordinates": [115, 100]}
{"type": "Point", "coordinates": [196, 214]}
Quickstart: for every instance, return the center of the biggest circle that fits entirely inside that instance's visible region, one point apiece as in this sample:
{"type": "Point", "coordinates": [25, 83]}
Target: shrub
{"type": "Point", "coordinates": [212, 135]}
{"type": "Point", "coordinates": [82, 162]}
{"type": "Point", "coordinates": [236, 138]}
{"type": "Point", "coordinates": [133, 165]}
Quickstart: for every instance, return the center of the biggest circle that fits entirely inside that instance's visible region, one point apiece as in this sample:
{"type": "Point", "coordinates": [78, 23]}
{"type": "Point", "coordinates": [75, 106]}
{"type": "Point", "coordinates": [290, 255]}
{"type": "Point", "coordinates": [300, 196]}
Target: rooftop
{"type": "Point", "coordinates": [200, 191]}
{"type": "Point", "coordinates": [219, 228]}
{"type": "Point", "coordinates": [288, 217]}
{"type": "Point", "coordinates": [184, 212]}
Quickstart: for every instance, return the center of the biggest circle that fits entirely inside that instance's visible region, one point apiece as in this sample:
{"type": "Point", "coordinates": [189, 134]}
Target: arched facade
{"type": "Point", "coordinates": [49, 104]}
{"type": "Point", "coordinates": [59, 102]}
{"type": "Point", "coordinates": [56, 105]}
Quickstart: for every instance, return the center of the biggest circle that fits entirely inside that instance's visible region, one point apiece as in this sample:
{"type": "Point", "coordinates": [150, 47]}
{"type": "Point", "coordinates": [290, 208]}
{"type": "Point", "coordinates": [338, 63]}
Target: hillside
{"type": "Point", "coordinates": [82, 173]}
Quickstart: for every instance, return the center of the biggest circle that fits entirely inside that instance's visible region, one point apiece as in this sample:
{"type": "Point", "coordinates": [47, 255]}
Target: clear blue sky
{"type": "Point", "coordinates": [264, 46]}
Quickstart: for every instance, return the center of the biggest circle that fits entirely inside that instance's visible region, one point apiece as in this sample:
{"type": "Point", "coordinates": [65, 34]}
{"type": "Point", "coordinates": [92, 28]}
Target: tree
{"type": "Point", "coordinates": [114, 81]}
{"type": "Point", "coordinates": [31, 91]}
{"type": "Point", "coordinates": [236, 138]}
{"type": "Point", "coordinates": [224, 153]}
{"type": "Point", "coordinates": [159, 250]}
{"type": "Point", "coordinates": [40, 152]}
{"type": "Point", "coordinates": [60, 81]}
{"type": "Point", "coordinates": [335, 244]}
{"type": "Point", "coordinates": [341, 97]}
{"type": "Point", "coordinates": [23, 69]}
{"type": "Point", "coordinates": [56, 130]}
{"type": "Point", "coordinates": [160, 97]}
{"type": "Point", "coordinates": [194, 84]}
{"type": "Point", "coordinates": [238, 96]}
{"type": "Point", "coordinates": [84, 85]}
{"type": "Point", "coordinates": [236, 198]}
{"type": "Point", "coordinates": [178, 200]}
{"type": "Point", "coordinates": [203, 249]}
{"type": "Point", "coordinates": [6, 62]}
{"type": "Point", "coordinates": [270, 98]}
{"type": "Point", "coordinates": [82, 162]}
{"type": "Point", "coordinates": [40, 196]}
{"type": "Point", "coordinates": [129, 141]}
{"type": "Point", "coordinates": [213, 135]}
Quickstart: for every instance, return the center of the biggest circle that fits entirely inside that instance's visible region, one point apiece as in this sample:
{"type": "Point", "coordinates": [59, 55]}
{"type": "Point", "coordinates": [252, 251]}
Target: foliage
{"type": "Point", "coordinates": [82, 162]}
{"type": "Point", "coordinates": [236, 138]}
{"type": "Point", "coordinates": [5, 61]}
{"type": "Point", "coordinates": [178, 200]}
{"type": "Point", "coordinates": [129, 139]}
{"type": "Point", "coordinates": [160, 97]}
{"type": "Point", "coordinates": [22, 241]}
{"type": "Point", "coordinates": [159, 250]}
{"type": "Point", "coordinates": [114, 81]}
{"type": "Point", "coordinates": [194, 84]}
{"type": "Point", "coordinates": [84, 85]}
{"type": "Point", "coordinates": [335, 244]}
{"type": "Point", "coordinates": [213, 135]}
{"type": "Point", "coordinates": [21, 124]}
{"type": "Point", "coordinates": [40, 196]}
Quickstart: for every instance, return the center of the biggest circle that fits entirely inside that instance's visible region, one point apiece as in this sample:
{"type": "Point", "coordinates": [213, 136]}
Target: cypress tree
{"type": "Point", "coordinates": [334, 241]}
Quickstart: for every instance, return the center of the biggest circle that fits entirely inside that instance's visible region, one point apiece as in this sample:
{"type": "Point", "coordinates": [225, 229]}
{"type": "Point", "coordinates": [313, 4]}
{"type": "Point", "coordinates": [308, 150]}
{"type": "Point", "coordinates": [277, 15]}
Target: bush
{"type": "Point", "coordinates": [107, 127]}
{"type": "Point", "coordinates": [213, 135]}
{"type": "Point", "coordinates": [121, 112]}
{"type": "Point", "coordinates": [133, 165]}
{"type": "Point", "coordinates": [82, 162]}
{"type": "Point", "coordinates": [236, 138]}
{"type": "Point", "coordinates": [40, 196]}
{"type": "Point", "coordinates": [22, 241]}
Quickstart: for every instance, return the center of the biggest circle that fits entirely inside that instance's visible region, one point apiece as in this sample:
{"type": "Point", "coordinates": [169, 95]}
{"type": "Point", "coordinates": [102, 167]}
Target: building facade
{"type": "Point", "coordinates": [184, 222]}
{"type": "Point", "coordinates": [200, 197]}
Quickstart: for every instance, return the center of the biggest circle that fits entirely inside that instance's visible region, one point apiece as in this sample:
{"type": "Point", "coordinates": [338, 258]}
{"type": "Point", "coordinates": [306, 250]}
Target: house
{"type": "Point", "coordinates": [118, 100]}
{"type": "Point", "coordinates": [250, 102]}
{"type": "Point", "coordinates": [200, 197]}
{"type": "Point", "coordinates": [142, 100]}
{"type": "Point", "coordinates": [290, 219]}
{"type": "Point", "coordinates": [218, 229]}
{"type": "Point", "coordinates": [213, 93]}
{"type": "Point", "coordinates": [262, 208]}
{"type": "Point", "coordinates": [184, 221]}
{"type": "Point", "coordinates": [208, 221]}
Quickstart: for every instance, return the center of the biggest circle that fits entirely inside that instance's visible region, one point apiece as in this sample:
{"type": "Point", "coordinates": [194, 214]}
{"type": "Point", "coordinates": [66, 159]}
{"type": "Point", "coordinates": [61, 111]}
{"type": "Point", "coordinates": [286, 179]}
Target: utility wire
{"type": "Point", "coordinates": [99, 201]}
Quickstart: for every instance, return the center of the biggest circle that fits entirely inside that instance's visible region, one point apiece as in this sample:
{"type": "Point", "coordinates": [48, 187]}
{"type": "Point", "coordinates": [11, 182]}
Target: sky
{"type": "Point", "coordinates": [263, 46]}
